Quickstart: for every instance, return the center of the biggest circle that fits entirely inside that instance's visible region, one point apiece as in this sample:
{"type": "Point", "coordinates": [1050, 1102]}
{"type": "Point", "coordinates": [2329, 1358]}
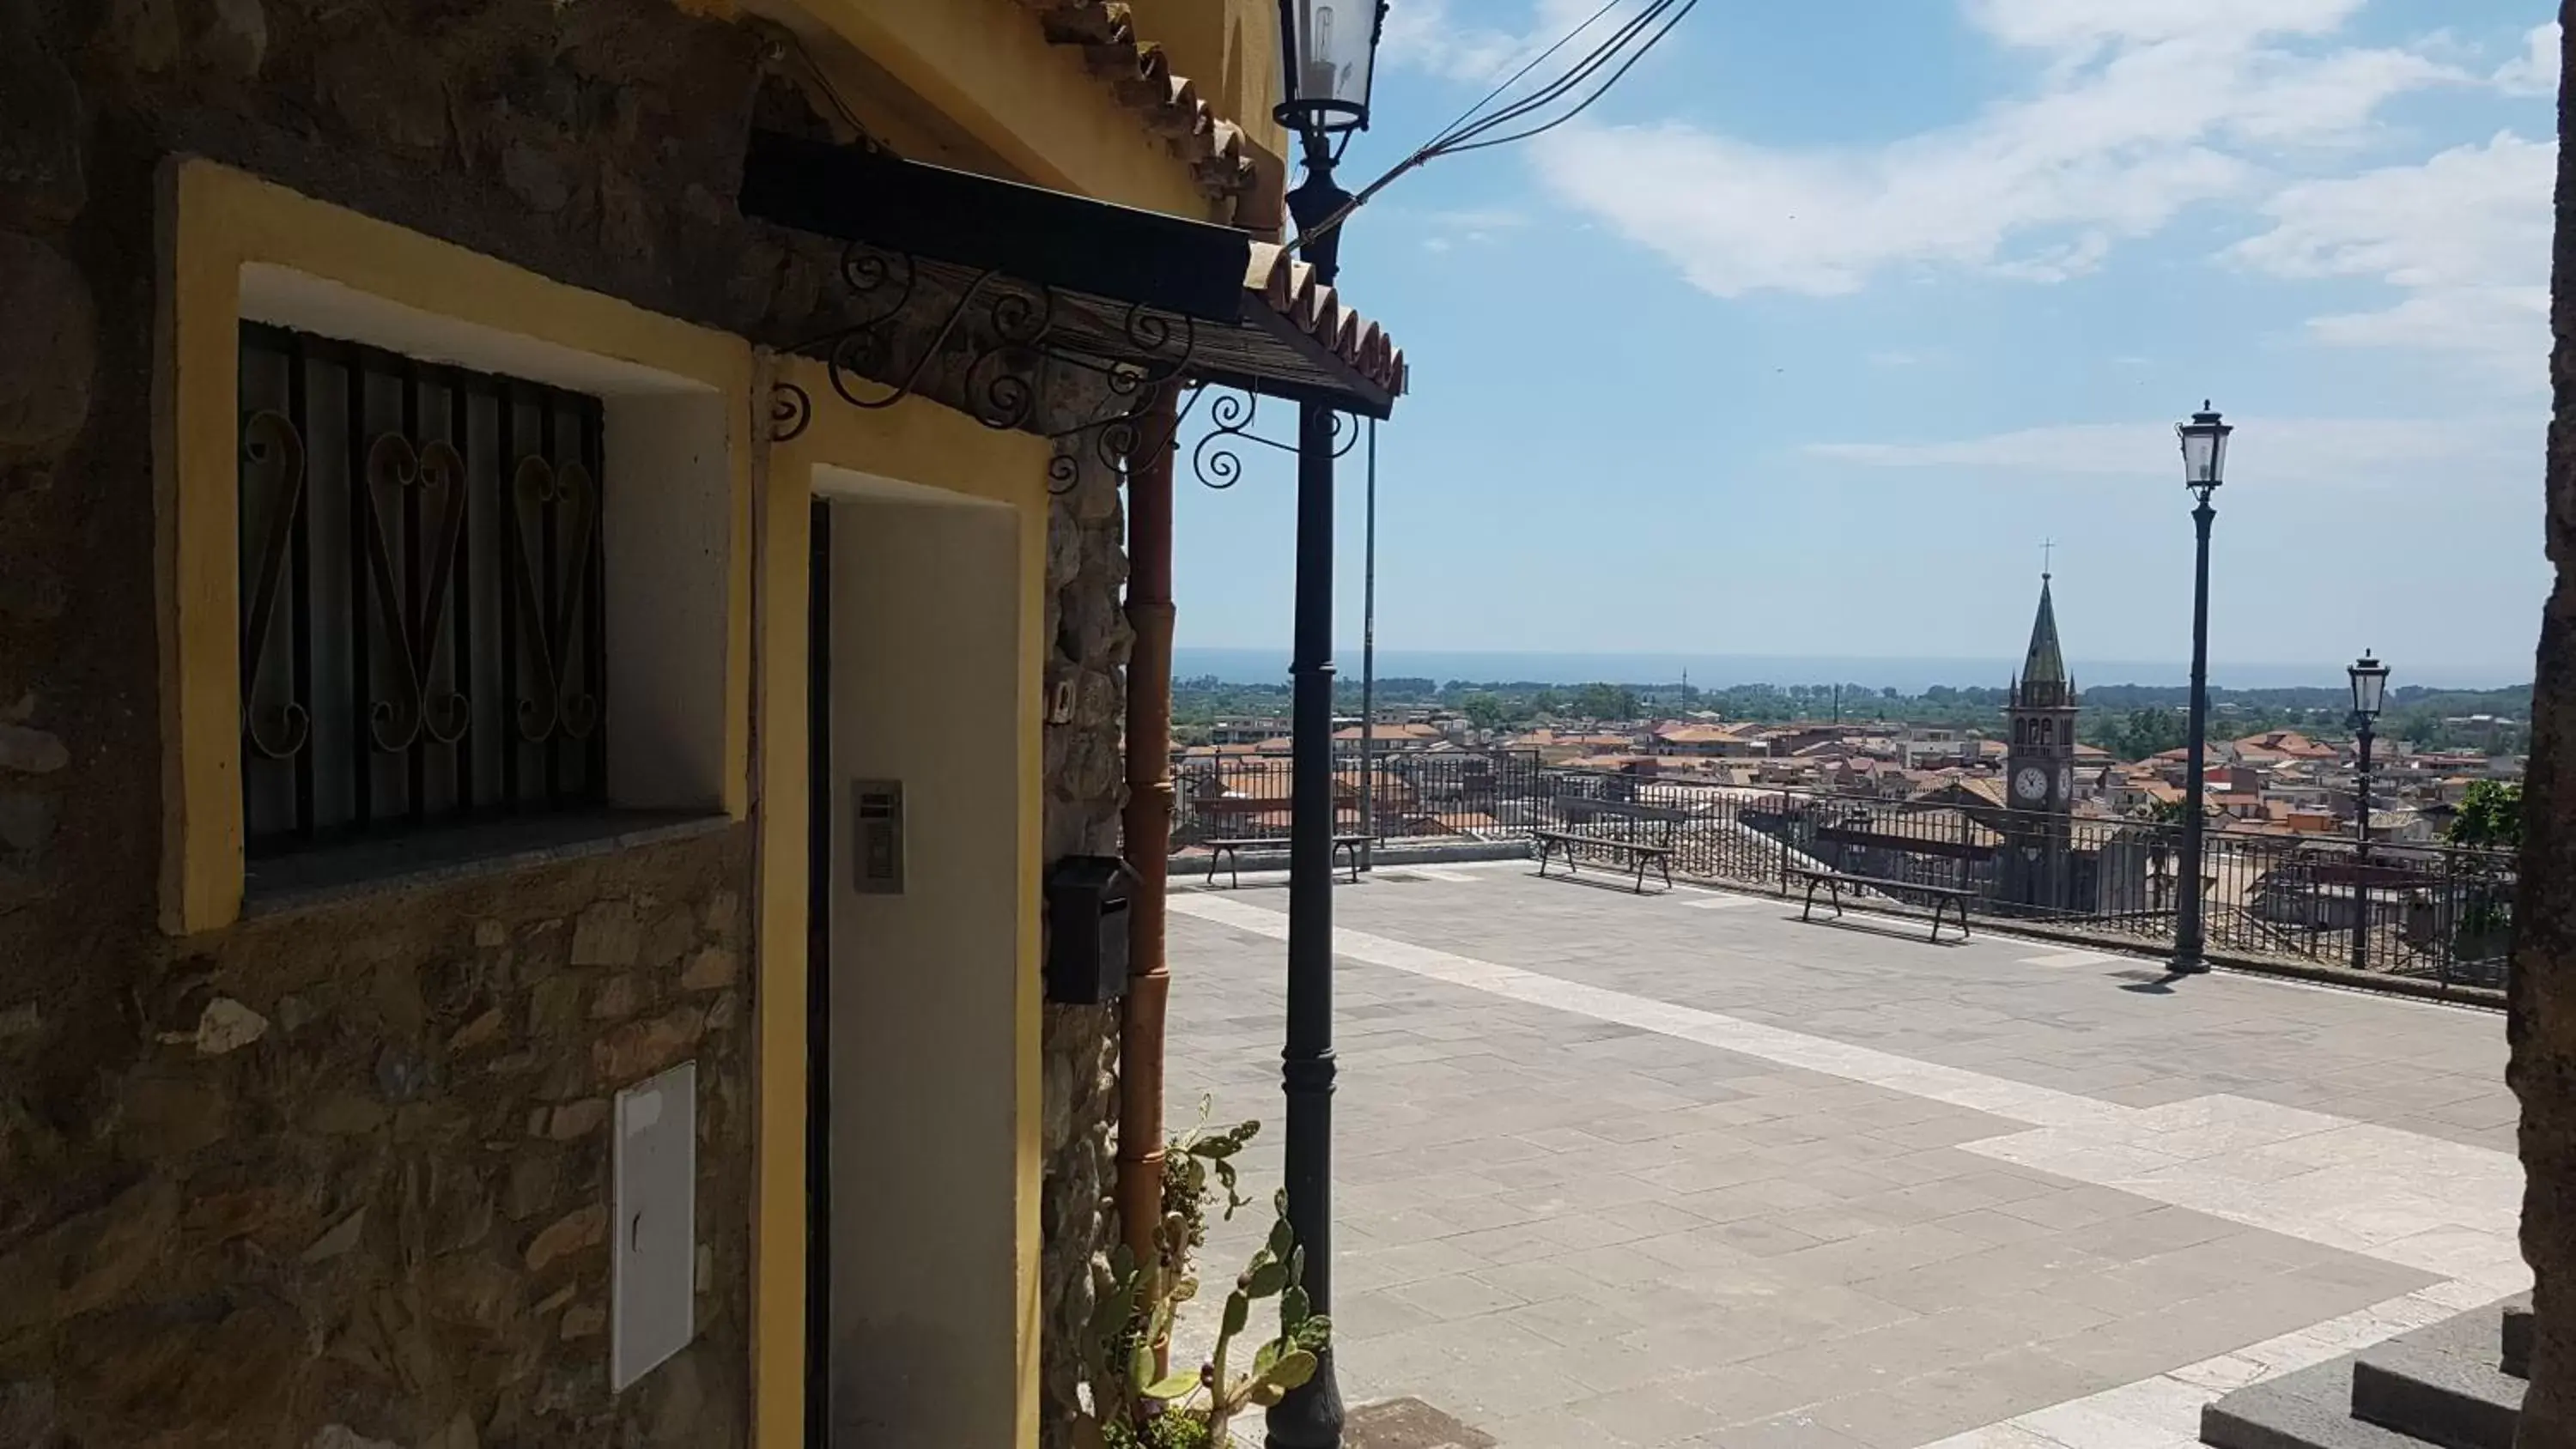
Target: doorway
{"type": "Point", "coordinates": [922, 1012]}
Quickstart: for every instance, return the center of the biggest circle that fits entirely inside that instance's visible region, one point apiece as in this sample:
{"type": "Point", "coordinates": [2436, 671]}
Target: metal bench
{"type": "Point", "coordinates": [1834, 881]}
{"type": "Point", "coordinates": [1230, 852]}
{"type": "Point", "coordinates": [1643, 841]}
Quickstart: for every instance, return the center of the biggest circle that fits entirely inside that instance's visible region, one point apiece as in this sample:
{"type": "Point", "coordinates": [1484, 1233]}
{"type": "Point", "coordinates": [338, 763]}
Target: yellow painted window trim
{"type": "Point", "coordinates": [214, 221]}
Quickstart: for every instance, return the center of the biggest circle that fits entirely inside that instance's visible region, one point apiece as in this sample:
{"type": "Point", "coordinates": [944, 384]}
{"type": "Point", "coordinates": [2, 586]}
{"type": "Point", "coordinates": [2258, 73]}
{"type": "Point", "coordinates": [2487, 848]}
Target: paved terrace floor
{"type": "Point", "coordinates": [1680, 1170]}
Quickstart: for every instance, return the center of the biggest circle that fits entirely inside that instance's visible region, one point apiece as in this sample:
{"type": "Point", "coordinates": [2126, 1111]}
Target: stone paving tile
{"type": "Point", "coordinates": [1573, 1230]}
{"type": "Point", "coordinates": [1648, 1415]}
{"type": "Point", "coordinates": [1458, 1295]}
{"type": "Point", "coordinates": [1787, 1431]}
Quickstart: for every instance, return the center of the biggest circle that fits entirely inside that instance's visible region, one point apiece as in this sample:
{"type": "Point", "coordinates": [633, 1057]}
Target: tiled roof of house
{"type": "Point", "coordinates": [1387, 733]}
{"type": "Point", "coordinates": [1140, 75]}
{"type": "Point", "coordinates": [1698, 734]}
{"type": "Point", "coordinates": [1289, 286]}
{"type": "Point", "coordinates": [2288, 743]}
{"type": "Point", "coordinates": [1982, 787]}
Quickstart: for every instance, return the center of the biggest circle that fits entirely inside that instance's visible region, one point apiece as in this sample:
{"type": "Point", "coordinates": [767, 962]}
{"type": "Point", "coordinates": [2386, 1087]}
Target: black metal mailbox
{"type": "Point", "coordinates": [1087, 905]}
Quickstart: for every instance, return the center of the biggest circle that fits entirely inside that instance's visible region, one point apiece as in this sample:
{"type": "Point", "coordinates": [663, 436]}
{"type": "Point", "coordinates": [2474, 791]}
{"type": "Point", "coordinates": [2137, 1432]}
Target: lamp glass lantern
{"type": "Point", "coordinates": [2204, 449]}
{"type": "Point", "coordinates": [2369, 686]}
{"type": "Point", "coordinates": [1330, 52]}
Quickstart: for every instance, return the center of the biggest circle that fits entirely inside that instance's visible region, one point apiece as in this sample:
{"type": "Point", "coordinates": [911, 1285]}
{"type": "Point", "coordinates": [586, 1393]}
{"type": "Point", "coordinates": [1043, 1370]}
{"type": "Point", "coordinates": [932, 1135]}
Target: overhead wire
{"type": "Point", "coordinates": [1574, 76]}
{"type": "Point", "coordinates": [1481, 140]}
{"type": "Point", "coordinates": [1473, 129]}
{"type": "Point", "coordinates": [1509, 81]}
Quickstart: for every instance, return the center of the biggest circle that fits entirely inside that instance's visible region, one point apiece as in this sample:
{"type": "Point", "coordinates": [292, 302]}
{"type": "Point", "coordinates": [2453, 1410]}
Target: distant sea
{"type": "Point", "coordinates": [1719, 671]}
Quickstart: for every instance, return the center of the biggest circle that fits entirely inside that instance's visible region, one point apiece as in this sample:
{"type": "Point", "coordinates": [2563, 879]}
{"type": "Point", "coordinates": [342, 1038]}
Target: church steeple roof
{"type": "Point", "coordinates": [2045, 664]}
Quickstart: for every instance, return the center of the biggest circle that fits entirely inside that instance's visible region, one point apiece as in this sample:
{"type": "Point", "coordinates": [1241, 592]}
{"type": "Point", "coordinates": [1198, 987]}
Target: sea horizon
{"type": "Point", "coordinates": [1247, 665]}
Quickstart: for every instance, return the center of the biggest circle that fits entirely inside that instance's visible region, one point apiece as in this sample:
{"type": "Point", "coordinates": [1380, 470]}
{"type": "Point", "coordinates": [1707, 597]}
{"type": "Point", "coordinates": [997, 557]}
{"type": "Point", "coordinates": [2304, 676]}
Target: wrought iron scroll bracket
{"type": "Point", "coordinates": [1119, 440]}
{"type": "Point", "coordinates": [1215, 458]}
{"type": "Point", "coordinates": [791, 412]}
{"type": "Point", "coordinates": [985, 345]}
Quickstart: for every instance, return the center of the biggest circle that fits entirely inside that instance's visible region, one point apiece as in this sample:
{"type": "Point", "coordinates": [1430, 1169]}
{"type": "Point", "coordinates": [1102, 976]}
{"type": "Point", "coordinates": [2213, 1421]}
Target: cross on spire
{"type": "Point", "coordinates": [2047, 546]}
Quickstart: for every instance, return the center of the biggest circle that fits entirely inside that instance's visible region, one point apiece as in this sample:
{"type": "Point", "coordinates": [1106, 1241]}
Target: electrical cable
{"type": "Point", "coordinates": [1585, 104]}
{"type": "Point", "coordinates": [1514, 78]}
{"type": "Point", "coordinates": [1473, 130]}
{"type": "Point", "coordinates": [1573, 77]}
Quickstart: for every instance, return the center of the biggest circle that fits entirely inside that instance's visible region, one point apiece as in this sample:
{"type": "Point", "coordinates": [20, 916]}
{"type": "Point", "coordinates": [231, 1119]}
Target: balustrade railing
{"type": "Point", "coordinates": [2417, 909]}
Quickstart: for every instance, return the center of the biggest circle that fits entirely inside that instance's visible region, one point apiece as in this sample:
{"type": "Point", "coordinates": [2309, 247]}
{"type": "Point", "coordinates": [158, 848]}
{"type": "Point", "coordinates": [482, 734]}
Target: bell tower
{"type": "Point", "coordinates": [2039, 774]}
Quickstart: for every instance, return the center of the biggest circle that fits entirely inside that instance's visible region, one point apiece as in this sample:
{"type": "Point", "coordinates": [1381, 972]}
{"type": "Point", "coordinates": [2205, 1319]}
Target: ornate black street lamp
{"type": "Point", "coordinates": [1329, 50]}
{"type": "Point", "coordinates": [2204, 465]}
{"type": "Point", "coordinates": [2369, 690]}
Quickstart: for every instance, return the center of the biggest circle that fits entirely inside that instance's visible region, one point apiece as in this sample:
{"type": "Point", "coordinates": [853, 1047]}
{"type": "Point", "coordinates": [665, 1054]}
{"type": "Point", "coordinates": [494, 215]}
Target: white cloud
{"type": "Point", "coordinates": [2535, 71]}
{"type": "Point", "coordinates": [2145, 107]}
{"type": "Point", "coordinates": [1428, 35]}
{"type": "Point", "coordinates": [1443, 230]}
{"type": "Point", "coordinates": [2465, 236]}
{"type": "Point", "coordinates": [2365, 453]}
{"type": "Point", "coordinates": [2085, 28]}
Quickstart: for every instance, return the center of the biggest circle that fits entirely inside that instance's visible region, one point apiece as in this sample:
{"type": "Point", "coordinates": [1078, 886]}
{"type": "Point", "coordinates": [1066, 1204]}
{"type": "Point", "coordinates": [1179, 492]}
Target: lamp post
{"type": "Point", "coordinates": [2204, 463]}
{"type": "Point", "coordinates": [2369, 690]}
{"type": "Point", "coordinates": [1328, 50]}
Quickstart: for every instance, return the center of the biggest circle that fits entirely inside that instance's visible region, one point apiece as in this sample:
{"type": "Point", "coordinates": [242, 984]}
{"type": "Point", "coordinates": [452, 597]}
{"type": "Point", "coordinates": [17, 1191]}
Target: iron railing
{"type": "Point", "coordinates": [2422, 909]}
{"type": "Point", "coordinates": [1421, 796]}
{"type": "Point", "coordinates": [2426, 910]}
{"type": "Point", "coordinates": [422, 631]}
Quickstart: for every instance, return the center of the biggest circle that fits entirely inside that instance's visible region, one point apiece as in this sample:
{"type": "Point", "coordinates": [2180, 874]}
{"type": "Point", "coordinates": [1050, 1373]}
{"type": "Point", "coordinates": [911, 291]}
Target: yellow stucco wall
{"type": "Point", "coordinates": [215, 223]}
{"type": "Point", "coordinates": [921, 443]}
{"type": "Point", "coordinates": [1229, 49]}
{"type": "Point", "coordinates": [986, 67]}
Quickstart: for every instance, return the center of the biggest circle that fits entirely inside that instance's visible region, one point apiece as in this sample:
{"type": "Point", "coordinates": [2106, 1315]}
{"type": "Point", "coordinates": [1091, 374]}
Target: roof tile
{"type": "Point", "coordinates": [1141, 77]}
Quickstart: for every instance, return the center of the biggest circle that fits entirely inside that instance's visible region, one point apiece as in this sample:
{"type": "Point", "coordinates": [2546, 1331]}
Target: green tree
{"type": "Point", "coordinates": [2168, 812]}
{"type": "Point", "coordinates": [1484, 711]}
{"type": "Point", "coordinates": [2143, 732]}
{"type": "Point", "coordinates": [1605, 701]}
{"type": "Point", "coordinates": [2490, 816]}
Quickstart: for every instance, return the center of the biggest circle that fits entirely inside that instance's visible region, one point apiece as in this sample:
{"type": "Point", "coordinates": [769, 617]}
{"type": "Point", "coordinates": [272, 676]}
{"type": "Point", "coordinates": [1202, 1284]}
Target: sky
{"type": "Point", "coordinates": [1805, 339]}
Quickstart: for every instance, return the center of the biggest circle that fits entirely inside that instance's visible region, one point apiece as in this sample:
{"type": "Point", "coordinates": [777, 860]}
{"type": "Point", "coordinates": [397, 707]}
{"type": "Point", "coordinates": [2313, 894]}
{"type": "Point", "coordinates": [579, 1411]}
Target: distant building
{"type": "Point", "coordinates": [1709, 741]}
{"type": "Point", "coordinates": [1247, 731]}
{"type": "Point", "coordinates": [2039, 774]}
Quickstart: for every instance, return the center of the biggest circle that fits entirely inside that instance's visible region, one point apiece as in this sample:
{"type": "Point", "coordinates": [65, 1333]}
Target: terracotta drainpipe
{"type": "Point", "coordinates": [1148, 828]}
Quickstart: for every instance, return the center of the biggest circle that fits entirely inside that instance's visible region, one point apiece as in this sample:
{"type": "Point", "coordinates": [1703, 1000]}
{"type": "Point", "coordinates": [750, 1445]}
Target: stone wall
{"type": "Point", "coordinates": [337, 1178]}
{"type": "Point", "coordinates": [342, 1178]}
{"type": "Point", "coordinates": [1086, 790]}
{"type": "Point", "coordinates": [2542, 1020]}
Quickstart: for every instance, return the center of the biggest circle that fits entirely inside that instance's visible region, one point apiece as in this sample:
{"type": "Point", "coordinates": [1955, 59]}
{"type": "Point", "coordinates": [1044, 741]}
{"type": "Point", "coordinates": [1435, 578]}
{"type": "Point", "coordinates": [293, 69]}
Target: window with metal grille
{"type": "Point", "coordinates": [422, 630]}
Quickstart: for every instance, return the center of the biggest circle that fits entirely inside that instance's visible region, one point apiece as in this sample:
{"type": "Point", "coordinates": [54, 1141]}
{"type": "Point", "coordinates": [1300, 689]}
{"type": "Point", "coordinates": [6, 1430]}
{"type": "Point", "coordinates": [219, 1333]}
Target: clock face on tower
{"type": "Point", "coordinates": [2031, 783]}
{"type": "Point", "coordinates": [2065, 783]}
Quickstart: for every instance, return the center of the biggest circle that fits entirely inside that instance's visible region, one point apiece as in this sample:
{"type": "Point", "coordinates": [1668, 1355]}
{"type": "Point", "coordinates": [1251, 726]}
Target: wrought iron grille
{"type": "Point", "coordinates": [422, 630]}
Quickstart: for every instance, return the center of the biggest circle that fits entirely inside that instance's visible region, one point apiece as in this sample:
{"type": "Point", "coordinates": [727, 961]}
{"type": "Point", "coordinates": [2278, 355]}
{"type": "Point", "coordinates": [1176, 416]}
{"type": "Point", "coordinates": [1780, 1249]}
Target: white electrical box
{"type": "Point", "coordinates": [653, 1247]}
